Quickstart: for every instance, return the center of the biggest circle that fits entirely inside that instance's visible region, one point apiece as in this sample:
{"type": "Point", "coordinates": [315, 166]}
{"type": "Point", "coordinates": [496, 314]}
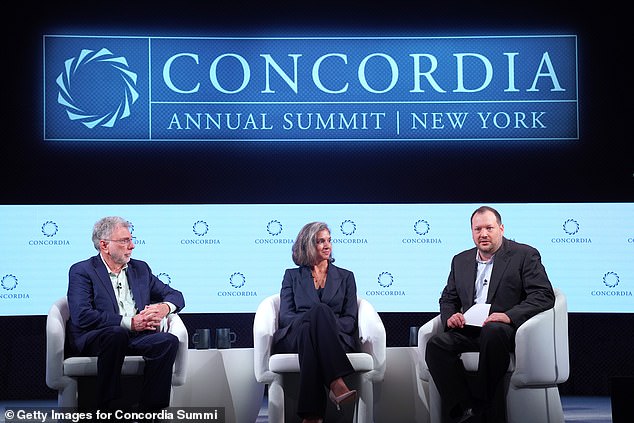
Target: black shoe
{"type": "Point", "coordinates": [475, 410]}
{"type": "Point", "coordinates": [466, 415]}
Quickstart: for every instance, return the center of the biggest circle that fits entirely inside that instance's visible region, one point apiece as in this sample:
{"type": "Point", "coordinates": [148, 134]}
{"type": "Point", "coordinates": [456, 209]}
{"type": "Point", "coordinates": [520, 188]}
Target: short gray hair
{"type": "Point", "coordinates": [305, 246]}
{"type": "Point", "coordinates": [104, 228]}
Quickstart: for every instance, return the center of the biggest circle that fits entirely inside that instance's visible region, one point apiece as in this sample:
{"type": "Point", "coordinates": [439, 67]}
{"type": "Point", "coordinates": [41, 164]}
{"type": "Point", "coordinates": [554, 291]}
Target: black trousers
{"type": "Point", "coordinates": [495, 342]}
{"type": "Point", "coordinates": [322, 357]}
{"type": "Point", "coordinates": [158, 349]}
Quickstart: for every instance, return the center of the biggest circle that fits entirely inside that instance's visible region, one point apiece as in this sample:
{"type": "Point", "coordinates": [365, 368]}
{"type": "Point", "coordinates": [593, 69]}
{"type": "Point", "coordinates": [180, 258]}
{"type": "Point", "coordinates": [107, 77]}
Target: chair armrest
{"type": "Point", "coordinates": [534, 351]}
{"type": "Point", "coordinates": [562, 353]}
{"type": "Point", "coordinates": [55, 338]}
{"type": "Point", "coordinates": [541, 347]}
{"type": "Point", "coordinates": [425, 332]}
{"type": "Point", "coordinates": [176, 327]}
{"type": "Point", "coordinates": [264, 326]}
{"type": "Point", "coordinates": [372, 338]}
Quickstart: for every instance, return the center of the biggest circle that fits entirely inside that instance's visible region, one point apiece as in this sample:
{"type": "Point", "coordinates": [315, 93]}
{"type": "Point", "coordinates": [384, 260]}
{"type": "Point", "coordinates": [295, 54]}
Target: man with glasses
{"type": "Point", "coordinates": [116, 308]}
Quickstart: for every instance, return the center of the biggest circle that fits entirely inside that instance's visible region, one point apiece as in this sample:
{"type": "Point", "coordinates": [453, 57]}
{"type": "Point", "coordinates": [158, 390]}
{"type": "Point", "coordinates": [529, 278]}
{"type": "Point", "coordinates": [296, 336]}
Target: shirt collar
{"type": "Point", "coordinates": [125, 266]}
{"type": "Point", "coordinates": [480, 261]}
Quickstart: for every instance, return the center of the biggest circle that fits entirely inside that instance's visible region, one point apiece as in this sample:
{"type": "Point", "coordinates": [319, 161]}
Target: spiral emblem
{"type": "Point", "coordinates": [83, 93]}
{"type": "Point", "coordinates": [571, 227]}
{"type": "Point", "coordinates": [237, 280]}
{"type": "Point", "coordinates": [385, 279]}
{"type": "Point", "coordinates": [611, 279]}
{"type": "Point", "coordinates": [9, 282]}
{"type": "Point", "coordinates": [165, 278]}
{"type": "Point", "coordinates": [348, 227]}
{"type": "Point", "coordinates": [421, 227]}
{"type": "Point", "coordinates": [274, 227]}
{"type": "Point", "coordinates": [49, 228]}
{"type": "Point", "coordinates": [200, 228]}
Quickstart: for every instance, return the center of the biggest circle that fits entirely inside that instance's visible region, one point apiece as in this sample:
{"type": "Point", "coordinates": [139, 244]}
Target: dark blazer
{"type": "Point", "coordinates": [298, 295]}
{"type": "Point", "coordinates": [92, 301]}
{"type": "Point", "coordinates": [519, 285]}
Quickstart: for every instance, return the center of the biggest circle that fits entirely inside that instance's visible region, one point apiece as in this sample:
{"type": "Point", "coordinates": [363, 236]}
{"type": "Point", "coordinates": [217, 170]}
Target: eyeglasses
{"type": "Point", "coordinates": [123, 241]}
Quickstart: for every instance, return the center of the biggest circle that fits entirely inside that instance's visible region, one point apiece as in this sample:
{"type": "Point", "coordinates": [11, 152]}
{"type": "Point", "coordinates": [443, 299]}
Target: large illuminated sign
{"type": "Point", "coordinates": [337, 88]}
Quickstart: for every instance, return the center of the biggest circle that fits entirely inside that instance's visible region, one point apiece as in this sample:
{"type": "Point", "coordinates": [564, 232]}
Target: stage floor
{"type": "Point", "coordinates": [576, 409]}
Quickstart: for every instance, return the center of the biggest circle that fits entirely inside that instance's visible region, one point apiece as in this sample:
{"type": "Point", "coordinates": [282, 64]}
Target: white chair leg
{"type": "Point", "coordinates": [422, 408]}
{"type": "Point", "coordinates": [435, 403]}
{"type": "Point", "coordinates": [276, 402]}
{"type": "Point", "coordinates": [529, 405]}
{"type": "Point", "coordinates": [365, 403]}
{"type": "Point", "coordinates": [67, 396]}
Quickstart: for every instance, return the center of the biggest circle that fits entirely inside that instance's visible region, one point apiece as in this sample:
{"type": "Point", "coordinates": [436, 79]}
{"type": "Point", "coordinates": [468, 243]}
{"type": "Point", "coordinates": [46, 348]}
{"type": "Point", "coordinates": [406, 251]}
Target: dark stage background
{"type": "Point", "coordinates": [599, 167]}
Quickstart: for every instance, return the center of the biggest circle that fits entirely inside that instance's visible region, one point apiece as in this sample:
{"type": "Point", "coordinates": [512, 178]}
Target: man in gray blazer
{"type": "Point", "coordinates": [511, 278]}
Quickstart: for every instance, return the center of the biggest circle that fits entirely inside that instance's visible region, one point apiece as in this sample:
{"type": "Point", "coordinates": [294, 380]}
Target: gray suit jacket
{"type": "Point", "coordinates": [298, 295]}
{"type": "Point", "coordinates": [519, 285]}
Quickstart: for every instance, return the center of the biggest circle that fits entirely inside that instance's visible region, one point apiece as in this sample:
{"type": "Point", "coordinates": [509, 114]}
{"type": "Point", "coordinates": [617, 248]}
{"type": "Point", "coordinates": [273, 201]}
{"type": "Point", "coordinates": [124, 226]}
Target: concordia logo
{"type": "Point", "coordinates": [214, 88]}
{"type": "Point", "coordinates": [571, 227]}
{"type": "Point", "coordinates": [237, 280]}
{"type": "Point", "coordinates": [385, 280]}
{"type": "Point", "coordinates": [200, 228]}
{"type": "Point", "coordinates": [611, 280]}
{"type": "Point", "coordinates": [49, 230]}
{"type": "Point", "coordinates": [97, 88]}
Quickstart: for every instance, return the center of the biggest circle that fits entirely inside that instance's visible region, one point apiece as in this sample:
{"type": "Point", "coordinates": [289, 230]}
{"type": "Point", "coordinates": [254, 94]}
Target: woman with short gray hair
{"type": "Point", "coordinates": [318, 320]}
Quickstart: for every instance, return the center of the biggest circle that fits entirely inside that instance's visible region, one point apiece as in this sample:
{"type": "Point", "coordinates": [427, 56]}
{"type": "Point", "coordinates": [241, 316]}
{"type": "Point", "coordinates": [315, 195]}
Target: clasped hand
{"type": "Point", "coordinates": [149, 318]}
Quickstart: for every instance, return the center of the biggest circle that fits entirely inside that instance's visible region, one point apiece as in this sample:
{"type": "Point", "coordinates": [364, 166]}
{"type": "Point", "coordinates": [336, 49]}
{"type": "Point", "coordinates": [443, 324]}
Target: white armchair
{"type": "Point", "coordinates": [62, 374]}
{"type": "Point", "coordinates": [272, 369]}
{"type": "Point", "coordinates": [539, 363]}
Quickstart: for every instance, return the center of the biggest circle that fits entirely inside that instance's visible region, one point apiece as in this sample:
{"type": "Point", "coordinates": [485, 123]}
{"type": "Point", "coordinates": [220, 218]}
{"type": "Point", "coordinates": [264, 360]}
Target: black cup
{"type": "Point", "coordinates": [413, 336]}
{"type": "Point", "coordinates": [224, 338]}
{"type": "Point", "coordinates": [202, 339]}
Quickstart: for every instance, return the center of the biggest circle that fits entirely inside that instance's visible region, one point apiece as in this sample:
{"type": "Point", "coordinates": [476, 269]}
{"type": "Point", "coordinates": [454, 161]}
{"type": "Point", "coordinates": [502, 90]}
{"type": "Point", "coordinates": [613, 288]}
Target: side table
{"type": "Point", "coordinates": [221, 378]}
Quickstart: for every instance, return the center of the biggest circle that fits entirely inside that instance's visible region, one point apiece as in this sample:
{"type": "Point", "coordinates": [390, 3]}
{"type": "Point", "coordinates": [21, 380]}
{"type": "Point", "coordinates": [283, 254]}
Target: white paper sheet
{"type": "Point", "coordinates": [477, 314]}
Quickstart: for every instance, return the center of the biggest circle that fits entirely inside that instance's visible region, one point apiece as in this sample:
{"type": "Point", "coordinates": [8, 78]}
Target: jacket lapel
{"type": "Point", "coordinates": [333, 282]}
{"type": "Point", "coordinates": [307, 284]}
{"type": "Point", "coordinates": [499, 267]}
{"type": "Point", "coordinates": [136, 288]}
{"type": "Point", "coordinates": [467, 272]}
{"type": "Point", "coordinates": [102, 273]}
